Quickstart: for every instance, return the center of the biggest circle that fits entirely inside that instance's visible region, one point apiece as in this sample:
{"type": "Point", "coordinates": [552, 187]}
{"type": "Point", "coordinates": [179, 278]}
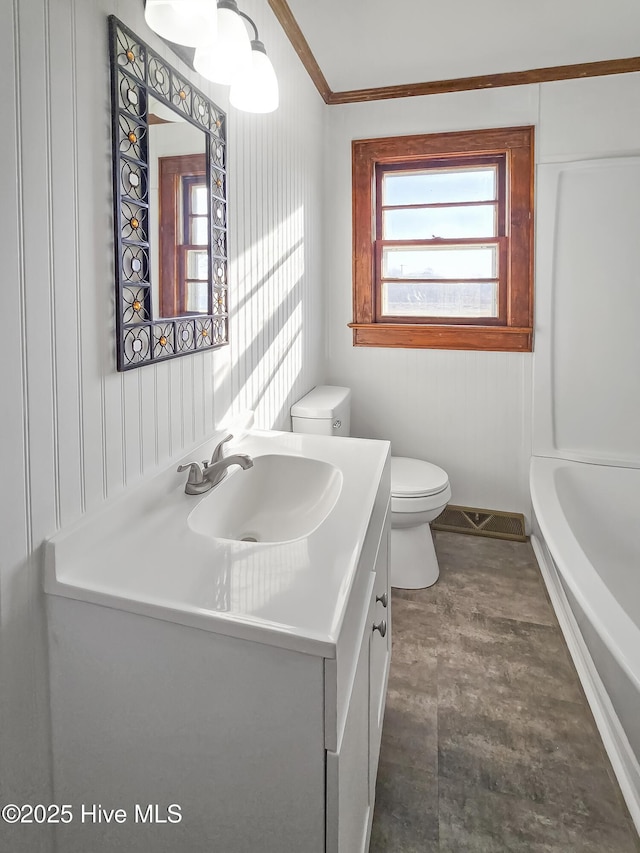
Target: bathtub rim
{"type": "Point", "coordinates": [614, 738]}
{"type": "Point", "coordinates": [616, 628]}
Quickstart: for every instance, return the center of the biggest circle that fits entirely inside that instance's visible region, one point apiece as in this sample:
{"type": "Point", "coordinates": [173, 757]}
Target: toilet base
{"type": "Point", "coordinates": [414, 564]}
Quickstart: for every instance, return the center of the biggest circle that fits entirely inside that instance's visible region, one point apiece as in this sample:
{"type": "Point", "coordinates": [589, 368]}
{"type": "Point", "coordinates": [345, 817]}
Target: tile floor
{"type": "Point", "coordinates": [488, 743]}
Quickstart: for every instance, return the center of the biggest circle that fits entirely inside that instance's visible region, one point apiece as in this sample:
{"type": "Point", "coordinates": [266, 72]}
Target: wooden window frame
{"type": "Point", "coordinates": [188, 181]}
{"type": "Point", "coordinates": [512, 331]}
{"type": "Point", "coordinates": [171, 171]}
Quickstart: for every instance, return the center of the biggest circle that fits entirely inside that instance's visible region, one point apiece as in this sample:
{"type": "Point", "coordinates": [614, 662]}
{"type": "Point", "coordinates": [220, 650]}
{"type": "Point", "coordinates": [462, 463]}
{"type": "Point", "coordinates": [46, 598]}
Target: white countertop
{"type": "Point", "coordinates": [137, 552]}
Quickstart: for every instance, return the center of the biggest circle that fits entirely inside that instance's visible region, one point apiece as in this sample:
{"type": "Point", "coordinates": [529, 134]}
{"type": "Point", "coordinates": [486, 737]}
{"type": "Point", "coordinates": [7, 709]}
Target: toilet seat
{"type": "Point", "coordinates": [415, 478]}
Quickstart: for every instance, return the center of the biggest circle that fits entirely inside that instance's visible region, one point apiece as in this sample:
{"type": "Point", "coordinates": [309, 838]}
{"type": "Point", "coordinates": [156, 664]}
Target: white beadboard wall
{"type": "Point", "coordinates": [74, 431]}
{"type": "Point", "coordinates": [468, 412]}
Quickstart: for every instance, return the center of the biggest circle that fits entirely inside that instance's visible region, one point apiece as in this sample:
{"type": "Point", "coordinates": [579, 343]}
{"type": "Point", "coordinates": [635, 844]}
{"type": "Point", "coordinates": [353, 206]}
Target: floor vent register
{"type": "Point", "coordinates": [481, 522]}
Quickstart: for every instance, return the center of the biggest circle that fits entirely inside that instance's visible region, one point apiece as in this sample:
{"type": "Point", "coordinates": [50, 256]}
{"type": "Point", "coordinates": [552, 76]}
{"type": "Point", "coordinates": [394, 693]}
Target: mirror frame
{"type": "Point", "coordinates": [137, 72]}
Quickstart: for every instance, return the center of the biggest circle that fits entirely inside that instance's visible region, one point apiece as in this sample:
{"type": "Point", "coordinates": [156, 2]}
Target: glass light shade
{"type": "Point", "coordinates": [256, 89]}
{"type": "Point", "coordinates": [188, 22]}
{"type": "Point", "coordinates": [222, 59]}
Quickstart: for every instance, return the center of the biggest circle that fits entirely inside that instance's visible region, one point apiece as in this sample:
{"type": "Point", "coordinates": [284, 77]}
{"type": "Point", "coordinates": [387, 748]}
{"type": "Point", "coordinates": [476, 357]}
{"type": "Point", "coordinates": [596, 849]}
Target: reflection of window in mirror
{"type": "Point", "coordinates": [179, 214]}
{"type": "Point", "coordinates": [193, 268]}
{"type": "Point", "coordinates": [184, 235]}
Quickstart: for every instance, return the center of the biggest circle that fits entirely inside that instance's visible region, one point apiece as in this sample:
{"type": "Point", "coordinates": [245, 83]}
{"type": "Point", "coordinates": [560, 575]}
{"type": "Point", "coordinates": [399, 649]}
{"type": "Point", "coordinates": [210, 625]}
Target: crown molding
{"type": "Point", "coordinates": [489, 81]}
{"type": "Point", "coordinates": [435, 87]}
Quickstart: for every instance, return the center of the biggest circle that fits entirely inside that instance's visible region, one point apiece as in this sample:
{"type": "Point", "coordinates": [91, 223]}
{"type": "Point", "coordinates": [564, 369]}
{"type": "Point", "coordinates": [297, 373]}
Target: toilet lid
{"type": "Point", "coordinates": [412, 478]}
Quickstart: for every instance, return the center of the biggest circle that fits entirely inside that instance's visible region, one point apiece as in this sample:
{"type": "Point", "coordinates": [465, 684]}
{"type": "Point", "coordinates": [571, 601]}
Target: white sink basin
{"type": "Point", "coordinates": [279, 499]}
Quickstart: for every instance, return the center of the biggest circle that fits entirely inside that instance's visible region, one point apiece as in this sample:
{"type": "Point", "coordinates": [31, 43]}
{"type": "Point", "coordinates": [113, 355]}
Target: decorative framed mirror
{"type": "Point", "coordinates": [170, 208]}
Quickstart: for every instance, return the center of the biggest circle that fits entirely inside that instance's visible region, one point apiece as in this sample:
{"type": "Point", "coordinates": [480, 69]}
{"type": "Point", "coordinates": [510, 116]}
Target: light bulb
{"type": "Point", "coordinates": [255, 90]}
{"type": "Point", "coordinates": [222, 59]}
{"type": "Point", "coordinates": [188, 22]}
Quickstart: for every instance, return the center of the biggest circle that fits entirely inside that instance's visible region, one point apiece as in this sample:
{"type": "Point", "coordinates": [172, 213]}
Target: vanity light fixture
{"type": "Point", "coordinates": [255, 89]}
{"type": "Point", "coordinates": [223, 51]}
{"type": "Point", "coordinates": [188, 22]}
{"type": "Point", "coordinates": [228, 52]}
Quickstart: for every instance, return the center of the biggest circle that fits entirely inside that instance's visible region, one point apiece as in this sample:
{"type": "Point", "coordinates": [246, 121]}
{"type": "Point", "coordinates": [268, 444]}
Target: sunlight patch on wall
{"type": "Point", "coordinates": [267, 327]}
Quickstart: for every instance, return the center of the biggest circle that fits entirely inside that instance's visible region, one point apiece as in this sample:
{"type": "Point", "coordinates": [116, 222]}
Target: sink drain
{"type": "Point", "coordinates": [249, 539]}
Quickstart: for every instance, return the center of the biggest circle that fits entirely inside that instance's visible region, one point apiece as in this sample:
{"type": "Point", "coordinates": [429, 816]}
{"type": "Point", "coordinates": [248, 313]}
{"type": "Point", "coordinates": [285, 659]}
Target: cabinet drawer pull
{"type": "Point", "coordinates": [382, 627]}
{"type": "Point", "coordinates": [383, 599]}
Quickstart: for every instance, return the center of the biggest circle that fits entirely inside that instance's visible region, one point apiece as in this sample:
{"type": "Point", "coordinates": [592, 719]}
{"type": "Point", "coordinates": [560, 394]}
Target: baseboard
{"type": "Point", "coordinates": [621, 756]}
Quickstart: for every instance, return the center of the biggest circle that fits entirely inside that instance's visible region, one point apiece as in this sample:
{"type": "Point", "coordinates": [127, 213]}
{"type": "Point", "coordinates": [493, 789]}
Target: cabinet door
{"type": "Point", "coordinates": [348, 786]}
{"type": "Point", "coordinates": [380, 655]}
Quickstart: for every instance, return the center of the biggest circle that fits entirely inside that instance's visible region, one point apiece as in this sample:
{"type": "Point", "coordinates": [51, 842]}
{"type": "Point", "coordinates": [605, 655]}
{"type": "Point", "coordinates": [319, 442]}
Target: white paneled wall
{"type": "Point", "coordinates": [468, 412]}
{"type": "Point", "coordinates": [74, 431]}
{"type": "Point", "coordinates": [278, 318]}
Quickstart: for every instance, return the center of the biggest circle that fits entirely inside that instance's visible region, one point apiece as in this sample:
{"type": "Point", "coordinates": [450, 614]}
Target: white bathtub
{"type": "Point", "coordinates": [586, 535]}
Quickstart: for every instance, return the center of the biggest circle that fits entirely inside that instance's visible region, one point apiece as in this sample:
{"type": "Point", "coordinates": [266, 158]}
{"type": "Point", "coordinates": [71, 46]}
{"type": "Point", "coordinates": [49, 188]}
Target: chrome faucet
{"type": "Point", "coordinates": [205, 477]}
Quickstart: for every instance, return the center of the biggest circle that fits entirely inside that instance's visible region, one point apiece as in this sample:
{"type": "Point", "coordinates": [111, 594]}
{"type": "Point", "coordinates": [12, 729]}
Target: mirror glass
{"type": "Point", "coordinates": [178, 213]}
{"type": "Point", "coordinates": [169, 177]}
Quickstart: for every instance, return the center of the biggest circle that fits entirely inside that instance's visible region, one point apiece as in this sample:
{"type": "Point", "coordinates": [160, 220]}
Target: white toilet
{"type": "Point", "coordinates": [419, 490]}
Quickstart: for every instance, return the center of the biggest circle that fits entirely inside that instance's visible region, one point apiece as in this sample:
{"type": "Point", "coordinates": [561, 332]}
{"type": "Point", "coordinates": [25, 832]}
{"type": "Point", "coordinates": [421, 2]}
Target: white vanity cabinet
{"type": "Point", "coordinates": [265, 740]}
{"type": "Point", "coordinates": [352, 759]}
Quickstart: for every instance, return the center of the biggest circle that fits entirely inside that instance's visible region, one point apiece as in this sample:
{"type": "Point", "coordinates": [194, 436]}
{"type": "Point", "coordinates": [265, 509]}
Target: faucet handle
{"type": "Point", "coordinates": [196, 476]}
{"type": "Point", "coordinates": [218, 452]}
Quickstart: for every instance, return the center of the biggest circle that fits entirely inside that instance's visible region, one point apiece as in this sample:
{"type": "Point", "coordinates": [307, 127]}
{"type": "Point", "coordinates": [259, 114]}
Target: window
{"type": "Point", "coordinates": [443, 233]}
{"type": "Point", "coordinates": [184, 225]}
{"type": "Point", "coordinates": [193, 260]}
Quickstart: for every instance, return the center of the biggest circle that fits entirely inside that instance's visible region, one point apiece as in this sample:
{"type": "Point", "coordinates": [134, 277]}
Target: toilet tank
{"type": "Point", "coordinates": [326, 410]}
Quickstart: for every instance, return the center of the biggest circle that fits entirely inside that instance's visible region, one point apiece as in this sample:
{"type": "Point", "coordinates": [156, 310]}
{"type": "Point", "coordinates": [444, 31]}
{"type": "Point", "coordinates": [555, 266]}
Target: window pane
{"type": "Point", "coordinates": [199, 199]}
{"type": "Point", "coordinates": [435, 186]}
{"type": "Point", "coordinates": [453, 299]}
{"type": "Point", "coordinates": [197, 297]}
{"type": "Point", "coordinates": [199, 231]}
{"type": "Point", "coordinates": [448, 222]}
{"type": "Point", "coordinates": [197, 264]}
{"type": "Point", "coordinates": [454, 262]}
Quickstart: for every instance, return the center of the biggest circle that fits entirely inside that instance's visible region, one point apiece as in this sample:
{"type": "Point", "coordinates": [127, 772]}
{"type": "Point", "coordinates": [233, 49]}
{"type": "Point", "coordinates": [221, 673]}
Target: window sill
{"type": "Point", "coordinates": [419, 336]}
